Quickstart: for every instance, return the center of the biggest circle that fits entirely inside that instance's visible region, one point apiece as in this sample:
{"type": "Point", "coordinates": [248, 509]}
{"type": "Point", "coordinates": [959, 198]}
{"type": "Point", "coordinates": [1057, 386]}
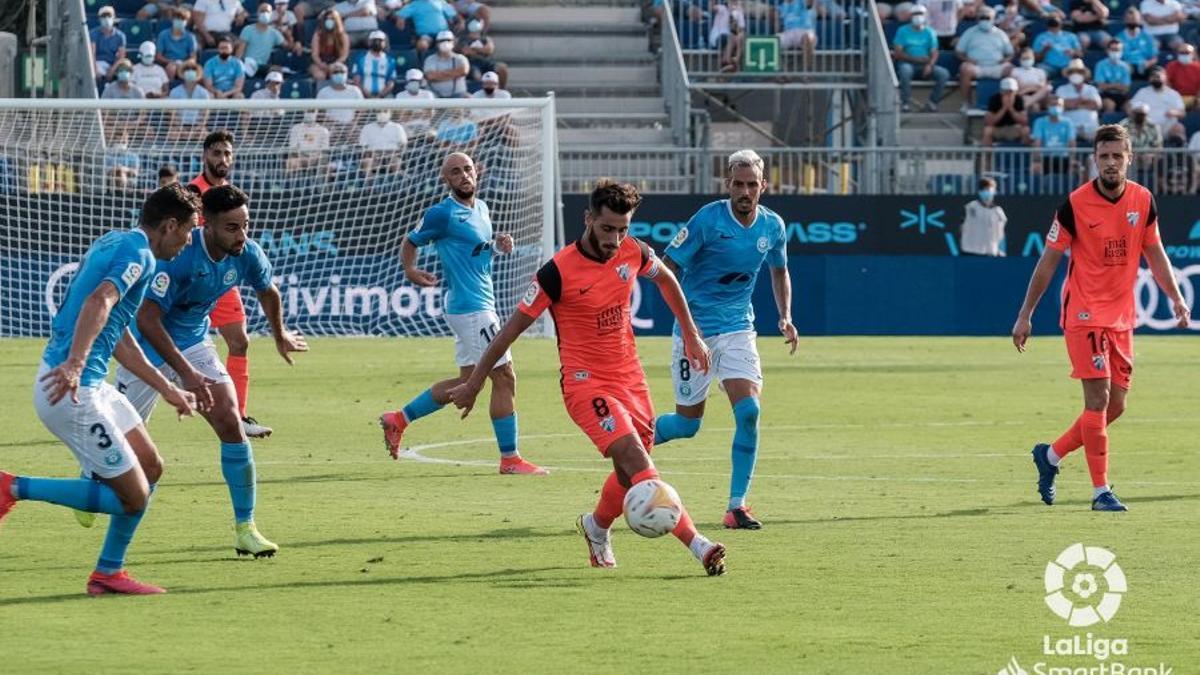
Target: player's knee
{"type": "Point", "coordinates": [238, 342]}
{"type": "Point", "coordinates": [228, 425]}
{"type": "Point", "coordinates": [504, 378]}
{"type": "Point", "coordinates": [136, 501]}
{"type": "Point", "coordinates": [153, 468]}
{"type": "Point", "coordinates": [688, 426]}
{"type": "Point", "coordinates": [745, 417]}
{"type": "Point", "coordinates": [1116, 408]}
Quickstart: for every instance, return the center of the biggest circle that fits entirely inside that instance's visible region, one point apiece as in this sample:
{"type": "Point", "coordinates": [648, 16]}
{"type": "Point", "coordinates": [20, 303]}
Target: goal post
{"type": "Point", "coordinates": [333, 187]}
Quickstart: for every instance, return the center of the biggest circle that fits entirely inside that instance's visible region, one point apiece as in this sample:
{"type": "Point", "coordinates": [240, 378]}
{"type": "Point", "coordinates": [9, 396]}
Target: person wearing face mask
{"type": "Point", "coordinates": [1081, 101]}
{"type": "Point", "coordinates": [491, 88]}
{"type": "Point", "coordinates": [416, 122]}
{"type": "Point", "coordinates": [216, 19]}
{"type": "Point", "coordinates": [1054, 136]}
{"type": "Point", "coordinates": [224, 73]}
{"type": "Point", "coordinates": [943, 19]}
{"type": "Point", "coordinates": [1166, 107]}
{"type": "Point", "coordinates": [1140, 49]}
{"type": "Point", "coordinates": [1089, 18]}
{"type": "Point", "coordinates": [1056, 47]}
{"type": "Point", "coordinates": [122, 86]}
{"type": "Point", "coordinates": [176, 44]}
{"type": "Point", "coordinates": [375, 70]}
{"type": "Point", "coordinates": [982, 231]}
{"type": "Point", "coordinates": [284, 20]}
{"type": "Point", "coordinates": [122, 165]}
{"type": "Point", "coordinates": [479, 48]}
{"type": "Point", "coordinates": [148, 75]}
{"type": "Point", "coordinates": [1010, 20]}
{"type": "Point", "coordinates": [1006, 119]}
{"type": "Point", "coordinates": [383, 144]}
{"type": "Point", "coordinates": [1184, 74]}
{"type": "Point", "coordinates": [262, 121]}
{"type": "Point", "coordinates": [1113, 78]}
{"type": "Point", "coordinates": [1162, 19]}
{"type": "Point", "coordinates": [984, 51]}
{"type": "Point", "coordinates": [308, 143]}
{"type": "Point", "coordinates": [359, 18]}
{"type": "Point", "coordinates": [108, 44]}
{"type": "Point", "coordinates": [429, 17]}
{"type": "Point", "coordinates": [188, 124]}
{"type": "Point", "coordinates": [330, 45]}
{"type": "Point", "coordinates": [1032, 83]}
{"type": "Point", "coordinates": [472, 10]}
{"type": "Point", "coordinates": [339, 88]}
{"type": "Point", "coordinates": [915, 53]}
{"type": "Point", "coordinates": [257, 41]}
{"type": "Point", "coordinates": [445, 70]}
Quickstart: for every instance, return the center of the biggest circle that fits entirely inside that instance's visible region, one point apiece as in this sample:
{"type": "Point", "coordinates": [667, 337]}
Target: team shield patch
{"type": "Point", "coordinates": [623, 271]}
{"type": "Point", "coordinates": [763, 244]}
{"type": "Point", "coordinates": [609, 424]}
{"type": "Point", "coordinates": [1098, 361]}
{"type": "Point", "coordinates": [1133, 217]}
{"type": "Point", "coordinates": [230, 277]}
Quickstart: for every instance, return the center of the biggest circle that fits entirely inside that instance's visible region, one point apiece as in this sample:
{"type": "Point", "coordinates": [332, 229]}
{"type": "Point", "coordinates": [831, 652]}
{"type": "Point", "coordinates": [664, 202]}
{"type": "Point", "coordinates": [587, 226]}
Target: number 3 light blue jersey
{"type": "Point", "coordinates": [463, 237]}
{"type": "Point", "coordinates": [719, 259]}
{"type": "Point", "coordinates": [123, 259]}
{"type": "Point", "coordinates": [189, 286]}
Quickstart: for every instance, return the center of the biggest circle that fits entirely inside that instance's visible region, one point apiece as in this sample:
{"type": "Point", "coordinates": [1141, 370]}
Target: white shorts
{"type": "Point", "coordinates": [473, 333]}
{"type": "Point", "coordinates": [94, 429]}
{"type": "Point", "coordinates": [202, 356]}
{"type": "Point", "coordinates": [794, 38]}
{"type": "Point", "coordinates": [990, 72]}
{"type": "Point", "coordinates": [732, 356]}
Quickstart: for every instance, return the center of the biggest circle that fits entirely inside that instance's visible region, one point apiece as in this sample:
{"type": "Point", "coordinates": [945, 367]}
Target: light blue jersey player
{"type": "Point", "coordinates": [460, 227]}
{"type": "Point", "coordinates": [173, 326]}
{"type": "Point", "coordinates": [120, 463]}
{"type": "Point", "coordinates": [717, 257]}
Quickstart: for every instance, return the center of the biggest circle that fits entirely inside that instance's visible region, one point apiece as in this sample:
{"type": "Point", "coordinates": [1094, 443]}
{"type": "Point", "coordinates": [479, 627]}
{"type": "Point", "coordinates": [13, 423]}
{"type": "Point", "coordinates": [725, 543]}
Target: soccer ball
{"type": "Point", "coordinates": [652, 508]}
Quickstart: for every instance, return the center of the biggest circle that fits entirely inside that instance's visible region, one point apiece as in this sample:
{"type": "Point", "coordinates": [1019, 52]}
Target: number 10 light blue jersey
{"type": "Point", "coordinates": [719, 259]}
{"type": "Point", "coordinates": [463, 237]}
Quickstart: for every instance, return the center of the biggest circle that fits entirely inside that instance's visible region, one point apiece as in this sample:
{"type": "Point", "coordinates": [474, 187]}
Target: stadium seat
{"type": "Point", "coordinates": [298, 64]}
{"type": "Point", "coordinates": [1011, 171]}
{"type": "Point", "coordinates": [1092, 57]}
{"type": "Point", "coordinates": [249, 86]}
{"type": "Point", "coordinates": [963, 26]}
{"type": "Point", "coordinates": [1192, 122]}
{"type": "Point", "coordinates": [949, 60]}
{"type": "Point", "coordinates": [137, 32]}
{"type": "Point", "coordinates": [889, 30]}
{"type": "Point", "coordinates": [1111, 117]}
{"type": "Point", "coordinates": [984, 88]}
{"type": "Point", "coordinates": [90, 7]}
{"type": "Point", "coordinates": [205, 55]}
{"type": "Point", "coordinates": [831, 34]}
{"type": "Point", "coordinates": [128, 8]}
{"type": "Point", "coordinates": [693, 34]}
{"type": "Point", "coordinates": [299, 88]}
{"type": "Point", "coordinates": [398, 39]}
{"type": "Point", "coordinates": [951, 184]}
{"type": "Point", "coordinates": [405, 59]}
{"type": "Point", "coordinates": [306, 30]}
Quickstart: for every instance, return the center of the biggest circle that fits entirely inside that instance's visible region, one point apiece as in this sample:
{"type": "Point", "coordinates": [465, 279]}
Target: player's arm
{"type": "Point", "coordinates": [286, 341]}
{"type": "Point", "coordinates": [668, 286]}
{"type": "Point", "coordinates": [129, 354]}
{"type": "Point", "coordinates": [408, 257]}
{"type": "Point", "coordinates": [781, 286]}
{"type": "Point", "coordinates": [1164, 274]}
{"type": "Point", "coordinates": [150, 325]}
{"type": "Point", "coordinates": [64, 379]}
{"type": "Point", "coordinates": [1038, 283]}
{"type": "Point", "coordinates": [464, 394]}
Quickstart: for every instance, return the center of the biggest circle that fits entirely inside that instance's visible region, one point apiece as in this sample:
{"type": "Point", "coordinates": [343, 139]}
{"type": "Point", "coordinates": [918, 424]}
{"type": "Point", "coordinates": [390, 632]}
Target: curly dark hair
{"type": "Point", "coordinates": [218, 200]}
{"type": "Point", "coordinates": [170, 201]}
{"type": "Point", "coordinates": [620, 198]}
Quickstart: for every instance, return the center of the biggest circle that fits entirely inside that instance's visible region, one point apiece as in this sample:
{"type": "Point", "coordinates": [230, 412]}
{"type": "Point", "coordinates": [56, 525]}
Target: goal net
{"type": "Point", "coordinates": [333, 187]}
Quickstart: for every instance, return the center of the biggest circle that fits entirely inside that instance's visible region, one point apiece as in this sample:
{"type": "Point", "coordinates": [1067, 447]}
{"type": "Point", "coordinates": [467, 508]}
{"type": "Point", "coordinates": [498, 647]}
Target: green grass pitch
{"type": "Point", "coordinates": [902, 529]}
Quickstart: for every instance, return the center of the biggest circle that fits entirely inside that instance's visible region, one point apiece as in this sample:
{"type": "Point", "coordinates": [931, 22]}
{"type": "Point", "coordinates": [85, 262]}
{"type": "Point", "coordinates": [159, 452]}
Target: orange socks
{"type": "Point", "coordinates": [1093, 426]}
{"type": "Point", "coordinates": [239, 370]}
{"type": "Point", "coordinates": [611, 504]}
{"type": "Point", "coordinates": [1070, 440]}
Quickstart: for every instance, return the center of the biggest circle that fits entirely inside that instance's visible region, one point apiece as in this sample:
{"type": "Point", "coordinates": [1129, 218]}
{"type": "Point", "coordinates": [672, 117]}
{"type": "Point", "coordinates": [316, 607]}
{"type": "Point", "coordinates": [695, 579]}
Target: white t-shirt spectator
{"type": "Point", "coordinates": [983, 229]}
{"type": "Point", "coordinates": [1085, 120]}
{"type": "Point", "coordinates": [265, 94]}
{"type": "Point", "coordinates": [115, 90]}
{"type": "Point", "coordinates": [356, 24]}
{"type": "Point", "coordinates": [723, 16]}
{"type": "Point", "coordinates": [421, 95]}
{"type": "Point", "coordinates": [218, 14]}
{"type": "Point", "coordinates": [943, 15]}
{"type": "Point", "coordinates": [447, 88]}
{"type": "Point", "coordinates": [498, 95]}
{"type": "Point", "coordinates": [308, 137]}
{"type": "Point", "coordinates": [347, 93]}
{"type": "Point", "coordinates": [1160, 9]}
{"type": "Point", "coordinates": [383, 137]}
{"type": "Point", "coordinates": [150, 78]}
{"type": "Point", "coordinates": [1160, 102]}
{"type": "Point", "coordinates": [1029, 78]}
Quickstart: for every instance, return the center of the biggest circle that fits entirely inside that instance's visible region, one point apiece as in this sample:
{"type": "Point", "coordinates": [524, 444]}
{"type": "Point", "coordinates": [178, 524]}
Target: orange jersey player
{"type": "Point", "coordinates": [229, 316]}
{"type": "Point", "coordinates": [1108, 225]}
{"type": "Point", "coordinates": [587, 286]}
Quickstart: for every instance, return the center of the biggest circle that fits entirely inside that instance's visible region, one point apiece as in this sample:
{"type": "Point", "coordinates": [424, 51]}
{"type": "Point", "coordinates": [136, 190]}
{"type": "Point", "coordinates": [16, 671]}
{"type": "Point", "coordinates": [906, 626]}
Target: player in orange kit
{"type": "Point", "coordinates": [1108, 225]}
{"type": "Point", "coordinates": [587, 287]}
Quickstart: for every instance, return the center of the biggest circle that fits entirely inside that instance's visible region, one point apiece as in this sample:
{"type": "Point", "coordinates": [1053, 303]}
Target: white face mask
{"type": "Point", "coordinates": [918, 20]}
{"type": "Point", "coordinates": [445, 47]}
{"type": "Point", "coordinates": [383, 117]}
{"type": "Point", "coordinates": [310, 117]}
{"type": "Point", "coordinates": [413, 87]}
{"type": "Point", "coordinates": [1185, 59]}
{"type": "Point", "coordinates": [1026, 63]}
{"type": "Point", "coordinates": [1075, 78]}
{"type": "Point", "coordinates": [985, 24]}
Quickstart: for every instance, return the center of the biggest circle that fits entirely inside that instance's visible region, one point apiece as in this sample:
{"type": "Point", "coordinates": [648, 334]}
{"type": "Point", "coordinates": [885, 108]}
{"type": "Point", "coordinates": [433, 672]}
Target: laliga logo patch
{"type": "Point", "coordinates": [623, 271]}
{"type": "Point", "coordinates": [531, 293]}
{"type": "Point", "coordinates": [1052, 235]}
{"type": "Point", "coordinates": [160, 284]}
{"type": "Point", "coordinates": [1098, 361]}
{"type": "Point", "coordinates": [131, 274]}
{"type": "Point", "coordinates": [230, 277]}
{"type": "Point", "coordinates": [1132, 217]}
{"type": "Point", "coordinates": [763, 244]}
{"type": "Point", "coordinates": [1092, 606]}
{"type": "Point", "coordinates": [679, 238]}
{"type": "Point", "coordinates": [609, 424]}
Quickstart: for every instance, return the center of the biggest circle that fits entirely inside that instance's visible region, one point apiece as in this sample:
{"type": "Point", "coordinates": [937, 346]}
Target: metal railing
{"type": "Point", "coordinates": [676, 87]}
{"type": "Point", "coordinates": [853, 171]}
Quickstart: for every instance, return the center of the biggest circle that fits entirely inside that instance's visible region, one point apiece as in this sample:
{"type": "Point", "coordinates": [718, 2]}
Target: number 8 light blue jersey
{"type": "Point", "coordinates": [123, 259]}
{"type": "Point", "coordinates": [719, 259]}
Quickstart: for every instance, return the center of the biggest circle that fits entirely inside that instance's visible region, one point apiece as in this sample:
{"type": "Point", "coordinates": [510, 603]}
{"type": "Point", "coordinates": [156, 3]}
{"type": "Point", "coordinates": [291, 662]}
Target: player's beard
{"type": "Point", "coordinates": [1112, 186]}
{"type": "Point", "coordinates": [216, 171]}
{"type": "Point", "coordinates": [743, 207]}
{"type": "Point", "coordinates": [594, 241]}
{"type": "Point", "coordinates": [464, 195]}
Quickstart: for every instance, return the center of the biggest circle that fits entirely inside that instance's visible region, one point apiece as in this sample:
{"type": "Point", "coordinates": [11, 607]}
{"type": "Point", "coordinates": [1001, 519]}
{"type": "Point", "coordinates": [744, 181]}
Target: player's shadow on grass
{"type": "Point", "coordinates": [1133, 501]}
{"type": "Point", "coordinates": [27, 444]}
{"type": "Point", "coordinates": [514, 533]}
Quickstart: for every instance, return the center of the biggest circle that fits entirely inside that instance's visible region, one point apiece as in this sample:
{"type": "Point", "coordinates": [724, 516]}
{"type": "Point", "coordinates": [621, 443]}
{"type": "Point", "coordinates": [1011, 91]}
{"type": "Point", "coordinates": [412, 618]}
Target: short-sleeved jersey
{"type": "Point", "coordinates": [1106, 239]}
{"type": "Point", "coordinates": [463, 239]}
{"type": "Point", "coordinates": [589, 300]}
{"type": "Point", "coordinates": [188, 287]}
{"type": "Point", "coordinates": [719, 259]}
{"type": "Point", "coordinates": [125, 260]}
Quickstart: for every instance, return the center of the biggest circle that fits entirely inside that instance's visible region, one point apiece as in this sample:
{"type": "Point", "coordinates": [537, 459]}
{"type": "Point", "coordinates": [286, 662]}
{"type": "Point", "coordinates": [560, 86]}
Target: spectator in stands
{"type": "Point", "coordinates": [1141, 50]}
{"type": "Point", "coordinates": [271, 88]}
{"type": "Point", "coordinates": [308, 143]}
{"type": "Point", "coordinates": [122, 86]}
{"type": "Point", "coordinates": [122, 165]}
{"type": "Point", "coordinates": [224, 73]}
{"type": "Point", "coordinates": [1010, 20]}
{"type": "Point", "coordinates": [1165, 105]}
{"type": "Point", "coordinates": [1162, 18]}
{"type": "Point", "coordinates": [1081, 100]}
{"type": "Point", "coordinates": [284, 20]}
{"type": "Point", "coordinates": [944, 16]}
{"type": "Point", "coordinates": [429, 17]}
{"type": "Point", "coordinates": [108, 44]}
{"type": "Point", "coordinates": [330, 45]}
{"type": "Point", "coordinates": [984, 51]}
{"type": "Point", "coordinates": [167, 174]}
{"type": "Point", "coordinates": [156, 8]}
{"type": "Point", "coordinates": [177, 45]}
{"type": "Point", "coordinates": [307, 8]}
{"type": "Point", "coordinates": [189, 123]}
{"type": "Point", "coordinates": [416, 121]}
{"type": "Point", "coordinates": [1006, 119]}
{"type": "Point", "coordinates": [257, 42]}
{"type": "Point", "coordinates": [478, 48]}
{"type": "Point", "coordinates": [375, 70]}
{"type": "Point", "coordinates": [383, 143]}
{"type": "Point", "coordinates": [216, 19]}
{"type": "Point", "coordinates": [148, 75]}
{"type": "Point", "coordinates": [262, 123]}
{"type": "Point", "coordinates": [727, 33]}
{"type": "Point", "coordinates": [445, 70]}
{"type": "Point", "coordinates": [1114, 78]}
{"type": "Point", "coordinates": [1054, 136]}
{"type": "Point", "coordinates": [983, 226]}
{"type": "Point", "coordinates": [1144, 135]}
{"type": "Point", "coordinates": [1193, 147]}
{"type": "Point", "coordinates": [359, 18]}
{"type": "Point", "coordinates": [1056, 47]}
{"type": "Point", "coordinates": [457, 131]}
{"type": "Point", "coordinates": [914, 49]}
{"type": "Point", "coordinates": [1184, 74]}
{"type": "Point", "coordinates": [1032, 83]}
{"type": "Point", "coordinates": [798, 20]}
{"type": "Point", "coordinates": [491, 88]}
{"type": "Point", "coordinates": [1089, 18]}
{"type": "Point", "coordinates": [469, 10]}
{"type": "Point", "coordinates": [340, 89]}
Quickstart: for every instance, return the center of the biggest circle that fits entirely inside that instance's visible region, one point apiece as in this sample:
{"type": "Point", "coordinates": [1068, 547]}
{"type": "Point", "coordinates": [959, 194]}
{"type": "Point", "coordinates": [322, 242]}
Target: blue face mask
{"type": "Point", "coordinates": [264, 17]}
{"type": "Point", "coordinates": [178, 24]}
{"type": "Point", "coordinates": [189, 76]}
{"type": "Point", "coordinates": [123, 75]}
{"type": "Point", "coordinates": [338, 78]}
{"type": "Point", "coordinates": [986, 195]}
{"type": "Point", "coordinates": [329, 24]}
{"type": "Point", "coordinates": [1054, 110]}
{"type": "Point", "coordinates": [107, 21]}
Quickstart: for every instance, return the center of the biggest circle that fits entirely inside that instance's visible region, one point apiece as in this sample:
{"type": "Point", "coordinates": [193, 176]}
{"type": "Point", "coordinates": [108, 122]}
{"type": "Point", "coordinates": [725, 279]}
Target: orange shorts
{"type": "Point", "coordinates": [228, 309]}
{"type": "Point", "coordinates": [1097, 353]}
{"type": "Point", "coordinates": [609, 411]}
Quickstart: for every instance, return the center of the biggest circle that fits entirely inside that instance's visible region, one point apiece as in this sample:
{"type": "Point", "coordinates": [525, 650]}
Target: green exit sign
{"type": "Point", "coordinates": [762, 55]}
